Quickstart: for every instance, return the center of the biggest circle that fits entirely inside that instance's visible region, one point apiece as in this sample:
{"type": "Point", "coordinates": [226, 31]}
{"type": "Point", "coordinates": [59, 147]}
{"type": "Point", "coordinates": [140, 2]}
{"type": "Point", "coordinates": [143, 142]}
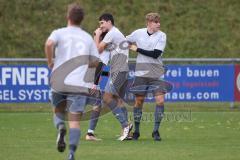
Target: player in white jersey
{"type": "Point", "coordinates": [115, 89]}
{"type": "Point", "coordinates": [76, 55]}
{"type": "Point", "coordinates": [149, 43]}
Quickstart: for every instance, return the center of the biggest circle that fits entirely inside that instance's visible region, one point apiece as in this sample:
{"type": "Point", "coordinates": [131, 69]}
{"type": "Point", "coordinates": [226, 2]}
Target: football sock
{"type": "Point", "coordinates": [125, 111]}
{"type": "Point", "coordinates": [118, 113]}
{"type": "Point", "coordinates": [58, 120]}
{"type": "Point", "coordinates": [158, 115]}
{"type": "Point", "coordinates": [137, 114]}
{"type": "Point", "coordinates": [74, 137]}
{"type": "Point", "coordinates": [94, 119]}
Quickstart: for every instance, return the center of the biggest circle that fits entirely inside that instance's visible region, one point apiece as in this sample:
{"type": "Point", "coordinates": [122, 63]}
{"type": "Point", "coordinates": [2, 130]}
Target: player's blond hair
{"type": "Point", "coordinates": [151, 17]}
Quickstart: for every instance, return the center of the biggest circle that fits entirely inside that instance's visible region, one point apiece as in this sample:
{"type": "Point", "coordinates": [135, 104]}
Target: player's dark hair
{"type": "Point", "coordinates": [107, 17]}
{"type": "Point", "coordinates": [75, 13]}
{"type": "Point", "coordinates": [102, 35]}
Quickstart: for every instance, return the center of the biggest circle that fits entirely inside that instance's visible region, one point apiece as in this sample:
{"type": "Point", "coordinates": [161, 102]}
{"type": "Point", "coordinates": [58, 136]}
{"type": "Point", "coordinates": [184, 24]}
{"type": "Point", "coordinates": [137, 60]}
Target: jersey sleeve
{"type": "Point", "coordinates": [54, 36]}
{"type": "Point", "coordinates": [94, 50]}
{"type": "Point", "coordinates": [132, 37]}
{"type": "Point", "coordinates": [161, 42]}
{"type": "Point", "coordinates": [94, 55]}
{"type": "Point", "coordinates": [108, 37]}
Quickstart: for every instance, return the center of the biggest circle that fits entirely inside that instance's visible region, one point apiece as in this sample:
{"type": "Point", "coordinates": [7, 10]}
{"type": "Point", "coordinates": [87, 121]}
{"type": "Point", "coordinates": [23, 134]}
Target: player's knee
{"type": "Point", "coordinates": [160, 100]}
{"type": "Point", "coordinates": [74, 119]}
{"type": "Point", "coordinates": [139, 101]}
{"type": "Point", "coordinates": [74, 124]}
{"type": "Point", "coordinates": [60, 107]}
{"type": "Point", "coordinates": [138, 104]}
{"type": "Point", "coordinates": [97, 108]}
{"type": "Point", "coordinates": [107, 98]}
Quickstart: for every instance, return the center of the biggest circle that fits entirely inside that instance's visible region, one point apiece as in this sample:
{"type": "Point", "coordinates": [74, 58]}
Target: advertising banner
{"type": "Point", "coordinates": [210, 83]}
{"type": "Point", "coordinates": [24, 83]}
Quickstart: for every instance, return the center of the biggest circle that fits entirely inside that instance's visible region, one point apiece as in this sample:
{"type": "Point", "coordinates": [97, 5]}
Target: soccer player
{"type": "Point", "coordinates": [149, 43]}
{"type": "Point", "coordinates": [76, 55]}
{"type": "Point", "coordinates": [117, 81]}
{"type": "Point", "coordinates": [104, 57]}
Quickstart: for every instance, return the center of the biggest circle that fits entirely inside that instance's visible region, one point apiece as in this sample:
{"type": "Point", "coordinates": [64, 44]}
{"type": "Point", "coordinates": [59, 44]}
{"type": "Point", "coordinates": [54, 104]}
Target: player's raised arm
{"type": "Point", "coordinates": [100, 44]}
{"type": "Point", "coordinates": [94, 58]}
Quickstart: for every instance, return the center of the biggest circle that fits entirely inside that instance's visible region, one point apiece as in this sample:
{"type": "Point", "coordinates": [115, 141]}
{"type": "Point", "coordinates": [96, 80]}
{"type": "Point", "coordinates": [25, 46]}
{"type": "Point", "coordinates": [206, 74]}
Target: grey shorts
{"type": "Point", "coordinates": [76, 103]}
{"type": "Point", "coordinates": [144, 85]}
{"type": "Point", "coordinates": [73, 103]}
{"type": "Point", "coordinates": [58, 99]}
{"type": "Point", "coordinates": [117, 84]}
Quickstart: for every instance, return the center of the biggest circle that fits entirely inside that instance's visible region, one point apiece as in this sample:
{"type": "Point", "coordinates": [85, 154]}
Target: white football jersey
{"type": "Point", "coordinates": [116, 42]}
{"type": "Point", "coordinates": [148, 66]}
{"type": "Point", "coordinates": [104, 56]}
{"type": "Point", "coordinates": [71, 42]}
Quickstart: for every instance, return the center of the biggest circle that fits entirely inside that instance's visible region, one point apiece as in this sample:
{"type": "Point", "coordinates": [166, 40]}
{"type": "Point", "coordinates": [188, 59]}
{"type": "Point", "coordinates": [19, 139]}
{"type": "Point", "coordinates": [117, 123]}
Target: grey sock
{"type": "Point", "coordinates": [125, 111]}
{"type": "Point", "coordinates": [94, 119]}
{"type": "Point", "coordinates": [118, 113]}
{"type": "Point", "coordinates": [59, 120]}
{"type": "Point", "coordinates": [74, 137]}
{"type": "Point", "coordinates": [159, 112]}
{"type": "Point", "coordinates": [137, 114]}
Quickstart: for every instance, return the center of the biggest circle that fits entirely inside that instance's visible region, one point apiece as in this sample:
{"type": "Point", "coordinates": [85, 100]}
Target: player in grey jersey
{"type": "Point", "coordinates": [149, 43]}
{"type": "Point", "coordinates": [115, 89]}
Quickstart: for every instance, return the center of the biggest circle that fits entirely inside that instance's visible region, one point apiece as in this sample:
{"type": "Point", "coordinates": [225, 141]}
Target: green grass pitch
{"type": "Point", "coordinates": [196, 135]}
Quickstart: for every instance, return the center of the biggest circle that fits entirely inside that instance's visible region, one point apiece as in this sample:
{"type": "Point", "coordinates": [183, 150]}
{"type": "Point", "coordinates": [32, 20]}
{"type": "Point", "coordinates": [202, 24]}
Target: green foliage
{"type": "Point", "coordinates": [196, 28]}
